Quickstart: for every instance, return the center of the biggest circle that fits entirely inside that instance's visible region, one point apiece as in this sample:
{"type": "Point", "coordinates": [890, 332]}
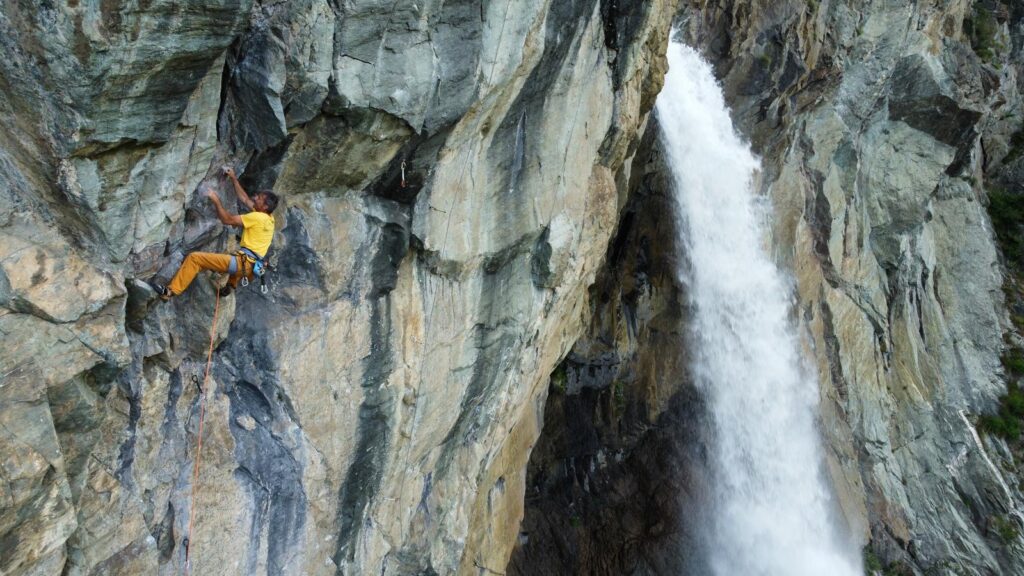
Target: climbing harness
{"type": "Point", "coordinates": [259, 267]}
{"type": "Point", "coordinates": [199, 439]}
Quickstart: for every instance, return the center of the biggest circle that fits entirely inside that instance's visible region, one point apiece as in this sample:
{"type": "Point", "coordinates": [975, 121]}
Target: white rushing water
{"type": "Point", "coordinates": [772, 511]}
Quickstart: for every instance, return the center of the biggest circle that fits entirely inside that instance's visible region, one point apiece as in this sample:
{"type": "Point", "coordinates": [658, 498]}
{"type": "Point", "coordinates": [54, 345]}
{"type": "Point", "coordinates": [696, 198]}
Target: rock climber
{"type": "Point", "coordinates": [257, 233]}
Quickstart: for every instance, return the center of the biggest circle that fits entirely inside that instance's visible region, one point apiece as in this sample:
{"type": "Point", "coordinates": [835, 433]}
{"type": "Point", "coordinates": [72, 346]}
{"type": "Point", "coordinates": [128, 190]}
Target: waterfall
{"type": "Point", "coordinates": [772, 510]}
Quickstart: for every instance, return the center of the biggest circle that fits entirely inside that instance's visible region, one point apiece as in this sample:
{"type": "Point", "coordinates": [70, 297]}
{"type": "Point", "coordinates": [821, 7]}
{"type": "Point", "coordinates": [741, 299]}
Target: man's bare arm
{"type": "Point", "coordinates": [223, 215]}
{"type": "Point", "coordinates": [230, 172]}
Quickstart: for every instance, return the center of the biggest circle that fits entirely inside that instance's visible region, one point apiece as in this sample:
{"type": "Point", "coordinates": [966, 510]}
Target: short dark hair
{"type": "Point", "coordinates": [270, 199]}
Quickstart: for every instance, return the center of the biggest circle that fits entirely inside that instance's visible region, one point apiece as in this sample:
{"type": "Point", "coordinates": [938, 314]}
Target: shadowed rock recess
{"type": "Point", "coordinates": [380, 411]}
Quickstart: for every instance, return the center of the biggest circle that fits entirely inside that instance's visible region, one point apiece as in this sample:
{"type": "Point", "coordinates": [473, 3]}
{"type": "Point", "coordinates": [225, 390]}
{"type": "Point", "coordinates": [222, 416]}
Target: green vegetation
{"type": "Point", "coordinates": [872, 564]}
{"type": "Point", "coordinates": [1005, 529]}
{"type": "Point", "coordinates": [983, 29]}
{"type": "Point", "coordinates": [559, 379]}
{"type": "Point", "coordinates": [1006, 423]}
{"type": "Point", "coordinates": [1016, 146]}
{"type": "Point", "coordinates": [1006, 210]}
{"type": "Point", "coordinates": [619, 395]}
{"type": "Point", "coordinates": [1013, 362]}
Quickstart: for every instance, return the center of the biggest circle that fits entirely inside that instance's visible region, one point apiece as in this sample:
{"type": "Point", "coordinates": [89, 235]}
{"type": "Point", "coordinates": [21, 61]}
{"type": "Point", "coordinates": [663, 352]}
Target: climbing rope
{"type": "Point", "coordinates": [199, 441]}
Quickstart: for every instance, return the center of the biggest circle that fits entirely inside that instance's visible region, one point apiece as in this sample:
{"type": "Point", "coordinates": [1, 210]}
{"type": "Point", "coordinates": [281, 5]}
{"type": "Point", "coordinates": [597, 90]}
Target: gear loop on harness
{"type": "Point", "coordinates": [259, 266]}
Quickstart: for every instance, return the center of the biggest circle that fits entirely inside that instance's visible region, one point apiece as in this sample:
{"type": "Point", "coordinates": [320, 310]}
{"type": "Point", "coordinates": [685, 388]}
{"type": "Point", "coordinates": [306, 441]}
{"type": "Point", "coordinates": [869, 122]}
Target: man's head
{"type": "Point", "coordinates": [265, 201]}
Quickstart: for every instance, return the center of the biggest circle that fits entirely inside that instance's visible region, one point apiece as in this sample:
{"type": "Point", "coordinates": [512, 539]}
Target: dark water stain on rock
{"type": "Point", "coordinates": [364, 476]}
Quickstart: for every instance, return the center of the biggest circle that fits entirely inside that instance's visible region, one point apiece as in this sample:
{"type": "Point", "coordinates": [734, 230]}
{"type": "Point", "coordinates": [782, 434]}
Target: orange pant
{"type": "Point", "coordinates": [197, 261]}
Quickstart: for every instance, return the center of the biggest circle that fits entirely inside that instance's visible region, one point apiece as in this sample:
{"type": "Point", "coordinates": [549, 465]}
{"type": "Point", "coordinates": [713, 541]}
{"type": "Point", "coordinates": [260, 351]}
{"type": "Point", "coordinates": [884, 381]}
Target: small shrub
{"type": "Point", "coordinates": [619, 395]}
{"type": "Point", "coordinates": [1006, 210]}
{"type": "Point", "coordinates": [559, 379]}
{"type": "Point", "coordinates": [1005, 529]}
{"type": "Point", "coordinates": [1013, 362]}
{"type": "Point", "coordinates": [1016, 146]}
{"type": "Point", "coordinates": [872, 564]}
{"type": "Point", "coordinates": [1003, 425]}
{"type": "Point", "coordinates": [1013, 402]}
{"type": "Point", "coordinates": [983, 29]}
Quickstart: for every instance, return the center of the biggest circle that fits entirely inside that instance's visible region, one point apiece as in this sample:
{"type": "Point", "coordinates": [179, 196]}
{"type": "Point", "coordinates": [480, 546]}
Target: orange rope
{"type": "Point", "coordinates": [199, 442]}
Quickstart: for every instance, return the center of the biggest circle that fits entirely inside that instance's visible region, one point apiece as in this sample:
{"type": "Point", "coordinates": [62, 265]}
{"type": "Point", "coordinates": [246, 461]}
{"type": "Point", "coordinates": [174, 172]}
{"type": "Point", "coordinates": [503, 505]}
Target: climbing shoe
{"type": "Point", "coordinates": [162, 291]}
{"type": "Point", "coordinates": [226, 290]}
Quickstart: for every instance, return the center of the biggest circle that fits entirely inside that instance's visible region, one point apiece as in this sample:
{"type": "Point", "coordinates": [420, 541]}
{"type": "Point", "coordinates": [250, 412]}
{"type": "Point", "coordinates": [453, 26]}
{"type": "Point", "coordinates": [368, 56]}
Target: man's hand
{"type": "Point", "coordinates": [222, 214]}
{"type": "Point", "coordinates": [230, 173]}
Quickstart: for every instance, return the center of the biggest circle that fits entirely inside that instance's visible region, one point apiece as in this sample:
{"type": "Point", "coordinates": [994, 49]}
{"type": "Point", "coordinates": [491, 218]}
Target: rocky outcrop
{"type": "Point", "coordinates": [375, 411]}
{"type": "Point", "coordinates": [883, 128]}
{"type": "Point", "coordinates": [870, 118]}
{"type": "Point", "coordinates": [609, 480]}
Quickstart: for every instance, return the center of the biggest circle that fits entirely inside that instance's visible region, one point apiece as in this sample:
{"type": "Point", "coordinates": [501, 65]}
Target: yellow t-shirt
{"type": "Point", "coordinates": [258, 232]}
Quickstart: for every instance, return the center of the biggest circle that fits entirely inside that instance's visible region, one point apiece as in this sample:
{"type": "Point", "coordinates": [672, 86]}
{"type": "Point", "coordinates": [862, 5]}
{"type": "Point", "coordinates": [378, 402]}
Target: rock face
{"type": "Point", "coordinates": [377, 410]}
{"type": "Point", "coordinates": [615, 478]}
{"type": "Point", "coordinates": [882, 127]}
{"type": "Point", "coordinates": [869, 116]}
{"type": "Point", "coordinates": [374, 412]}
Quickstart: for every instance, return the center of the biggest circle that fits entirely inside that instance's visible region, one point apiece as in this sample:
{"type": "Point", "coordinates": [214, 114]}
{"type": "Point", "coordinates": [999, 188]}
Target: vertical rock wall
{"type": "Point", "coordinates": [882, 126]}
{"type": "Point", "coordinates": [876, 122]}
{"type": "Point", "coordinates": [616, 476]}
{"type": "Point", "coordinates": [375, 411]}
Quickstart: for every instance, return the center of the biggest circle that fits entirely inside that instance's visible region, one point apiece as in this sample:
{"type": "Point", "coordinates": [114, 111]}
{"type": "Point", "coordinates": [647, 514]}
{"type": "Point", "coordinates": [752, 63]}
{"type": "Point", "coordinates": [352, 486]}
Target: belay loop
{"type": "Point", "coordinates": [259, 269]}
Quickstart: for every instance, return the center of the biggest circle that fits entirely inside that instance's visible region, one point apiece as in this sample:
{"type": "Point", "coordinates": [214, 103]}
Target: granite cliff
{"type": "Point", "coordinates": [483, 370]}
{"type": "Point", "coordinates": [374, 412]}
{"type": "Point", "coordinates": [890, 141]}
